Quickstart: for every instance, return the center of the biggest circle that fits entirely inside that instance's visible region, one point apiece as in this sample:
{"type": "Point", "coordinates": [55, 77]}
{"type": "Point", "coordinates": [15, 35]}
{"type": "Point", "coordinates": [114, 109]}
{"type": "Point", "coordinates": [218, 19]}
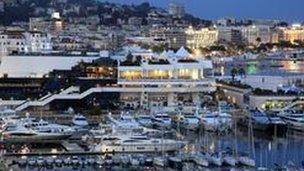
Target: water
{"type": "Point", "coordinates": [254, 67]}
{"type": "Point", "coordinates": [267, 150]}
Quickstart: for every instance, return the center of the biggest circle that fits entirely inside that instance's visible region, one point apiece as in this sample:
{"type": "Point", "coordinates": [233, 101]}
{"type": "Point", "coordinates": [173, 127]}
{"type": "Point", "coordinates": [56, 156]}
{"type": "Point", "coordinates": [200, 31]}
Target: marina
{"type": "Point", "coordinates": [113, 145]}
{"type": "Point", "coordinates": [150, 86]}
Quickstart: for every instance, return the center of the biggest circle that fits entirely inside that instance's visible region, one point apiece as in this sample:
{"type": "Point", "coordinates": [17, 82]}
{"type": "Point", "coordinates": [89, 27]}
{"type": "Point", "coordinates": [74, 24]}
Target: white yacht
{"type": "Point", "coordinates": [137, 144]}
{"type": "Point", "coordinates": [145, 120]}
{"type": "Point", "coordinates": [80, 121]}
{"type": "Point", "coordinates": [7, 116]}
{"type": "Point", "coordinates": [246, 161]}
{"type": "Point", "coordinates": [29, 129]}
{"type": "Point", "coordinates": [293, 118]}
{"type": "Point", "coordinates": [127, 125]}
{"type": "Point", "coordinates": [216, 121]}
{"type": "Point", "coordinates": [190, 121]}
{"type": "Point", "coordinates": [161, 120]}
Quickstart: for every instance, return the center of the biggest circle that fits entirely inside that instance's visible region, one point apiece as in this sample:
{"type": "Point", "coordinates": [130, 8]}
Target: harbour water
{"type": "Point", "coordinates": [254, 67]}
{"type": "Point", "coordinates": [268, 151]}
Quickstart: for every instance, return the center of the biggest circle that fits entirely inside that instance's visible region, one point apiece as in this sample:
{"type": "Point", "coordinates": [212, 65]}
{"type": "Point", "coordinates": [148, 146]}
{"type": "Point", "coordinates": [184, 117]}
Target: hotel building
{"type": "Point", "coordinates": [201, 38]}
{"type": "Point", "coordinates": [291, 33]}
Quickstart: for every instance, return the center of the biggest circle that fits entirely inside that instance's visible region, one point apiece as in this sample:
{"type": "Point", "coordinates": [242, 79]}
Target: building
{"type": "Point", "coordinates": [176, 37]}
{"type": "Point", "coordinates": [37, 42]}
{"type": "Point", "coordinates": [291, 34]}
{"type": "Point", "coordinates": [53, 25]}
{"type": "Point", "coordinates": [273, 80]}
{"type": "Point", "coordinates": [38, 66]}
{"type": "Point", "coordinates": [19, 41]}
{"type": "Point", "coordinates": [176, 10]}
{"type": "Point", "coordinates": [256, 34]}
{"type": "Point", "coordinates": [201, 38]}
{"type": "Point", "coordinates": [165, 81]}
{"type": "Point", "coordinates": [13, 41]}
{"type": "Point", "coordinates": [157, 82]}
{"type": "Point", "coordinates": [231, 35]}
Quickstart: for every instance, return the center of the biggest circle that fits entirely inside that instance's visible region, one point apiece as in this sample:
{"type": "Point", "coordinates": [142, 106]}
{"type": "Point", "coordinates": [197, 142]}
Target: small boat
{"type": "Point", "coordinates": [216, 121]}
{"type": "Point", "coordinates": [175, 162]}
{"type": "Point", "coordinates": [149, 161]}
{"type": "Point", "coordinates": [22, 162]}
{"type": "Point", "coordinates": [200, 160]}
{"type": "Point", "coordinates": [31, 162]}
{"type": "Point", "coordinates": [75, 160]}
{"type": "Point", "coordinates": [246, 161]}
{"type": "Point", "coordinates": [134, 161]}
{"type": "Point", "coordinates": [294, 119]}
{"type": "Point", "coordinates": [144, 120]}
{"type": "Point", "coordinates": [40, 161]}
{"type": "Point", "coordinates": [214, 159]}
{"type": "Point", "coordinates": [125, 159]}
{"type": "Point", "coordinates": [80, 121]}
{"type": "Point", "coordinates": [108, 160]}
{"type": "Point", "coordinates": [162, 120]}
{"type": "Point", "coordinates": [90, 161]}
{"type": "Point", "coordinates": [67, 161]}
{"type": "Point", "coordinates": [188, 121]}
{"type": "Point", "coordinates": [49, 161]}
{"type": "Point", "coordinates": [99, 161]}
{"type": "Point", "coordinates": [58, 162]}
{"type": "Point", "coordinates": [160, 161]}
{"type": "Point", "coordinates": [229, 160]}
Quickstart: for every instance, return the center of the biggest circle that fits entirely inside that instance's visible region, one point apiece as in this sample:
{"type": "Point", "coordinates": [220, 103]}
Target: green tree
{"type": "Point", "coordinates": [241, 72]}
{"type": "Point", "coordinates": [233, 73]}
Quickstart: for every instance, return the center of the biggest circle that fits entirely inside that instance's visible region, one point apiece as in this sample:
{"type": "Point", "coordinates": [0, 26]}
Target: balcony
{"type": "Point", "coordinates": [204, 81]}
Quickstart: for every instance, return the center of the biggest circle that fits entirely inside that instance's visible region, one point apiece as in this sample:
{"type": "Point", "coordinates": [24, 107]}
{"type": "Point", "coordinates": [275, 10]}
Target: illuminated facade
{"type": "Point", "coordinates": [165, 82]}
{"type": "Point", "coordinates": [201, 38]}
{"type": "Point", "coordinates": [291, 33]}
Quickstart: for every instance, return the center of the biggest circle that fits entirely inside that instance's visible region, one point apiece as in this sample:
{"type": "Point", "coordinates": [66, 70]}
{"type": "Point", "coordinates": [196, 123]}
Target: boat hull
{"type": "Point", "coordinates": [37, 138]}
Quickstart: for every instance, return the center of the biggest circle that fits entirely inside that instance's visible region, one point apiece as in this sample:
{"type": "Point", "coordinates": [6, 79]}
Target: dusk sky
{"type": "Point", "coordinates": [290, 10]}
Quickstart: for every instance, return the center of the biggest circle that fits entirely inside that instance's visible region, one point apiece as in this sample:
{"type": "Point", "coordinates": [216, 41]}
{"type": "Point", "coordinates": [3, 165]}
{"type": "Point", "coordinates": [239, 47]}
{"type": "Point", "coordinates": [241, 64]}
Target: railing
{"type": "Point", "coordinates": [110, 89]}
{"type": "Point", "coordinates": [169, 80]}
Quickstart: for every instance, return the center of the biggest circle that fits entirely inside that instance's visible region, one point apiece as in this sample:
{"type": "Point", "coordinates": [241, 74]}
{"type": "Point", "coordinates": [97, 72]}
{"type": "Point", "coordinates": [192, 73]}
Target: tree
{"type": "Point", "coordinates": [241, 72]}
{"type": "Point", "coordinates": [258, 40]}
{"type": "Point", "coordinates": [233, 73]}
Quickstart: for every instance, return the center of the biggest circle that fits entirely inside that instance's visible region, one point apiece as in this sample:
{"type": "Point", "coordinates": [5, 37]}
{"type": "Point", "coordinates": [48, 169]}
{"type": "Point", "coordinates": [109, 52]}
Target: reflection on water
{"type": "Point", "coordinates": [254, 67]}
{"type": "Point", "coordinates": [267, 151]}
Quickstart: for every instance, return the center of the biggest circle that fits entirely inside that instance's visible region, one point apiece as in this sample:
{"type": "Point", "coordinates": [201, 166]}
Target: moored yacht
{"type": "Point", "coordinates": [293, 118]}
{"type": "Point", "coordinates": [216, 121]}
{"type": "Point", "coordinates": [161, 120]}
{"type": "Point", "coordinates": [144, 120]}
{"type": "Point", "coordinates": [137, 144]}
{"type": "Point", "coordinates": [30, 129]}
{"type": "Point", "coordinates": [80, 121]}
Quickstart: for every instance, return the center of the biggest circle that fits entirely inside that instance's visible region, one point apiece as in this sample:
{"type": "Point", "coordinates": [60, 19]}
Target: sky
{"type": "Point", "coordinates": [288, 10]}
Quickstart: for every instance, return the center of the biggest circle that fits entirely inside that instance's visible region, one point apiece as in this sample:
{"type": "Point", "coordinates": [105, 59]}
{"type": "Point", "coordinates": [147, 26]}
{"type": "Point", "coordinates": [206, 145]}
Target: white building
{"type": "Point", "coordinates": [165, 81]}
{"type": "Point", "coordinates": [38, 42]}
{"type": "Point", "coordinates": [255, 34]}
{"type": "Point", "coordinates": [273, 80]}
{"type": "Point", "coordinates": [18, 41]}
{"type": "Point", "coordinates": [201, 38]}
